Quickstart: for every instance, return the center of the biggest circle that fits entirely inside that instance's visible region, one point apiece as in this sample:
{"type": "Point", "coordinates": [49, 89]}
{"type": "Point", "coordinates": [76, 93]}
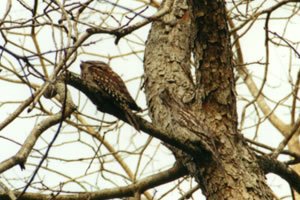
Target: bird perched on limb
{"type": "Point", "coordinates": [111, 95]}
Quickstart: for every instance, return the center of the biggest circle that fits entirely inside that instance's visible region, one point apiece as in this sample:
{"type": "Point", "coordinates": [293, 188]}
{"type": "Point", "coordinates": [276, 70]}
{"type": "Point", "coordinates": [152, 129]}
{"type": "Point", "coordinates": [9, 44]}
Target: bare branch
{"type": "Point", "coordinates": [270, 165]}
{"type": "Point", "coordinates": [126, 191]}
{"type": "Point", "coordinates": [121, 32]}
{"type": "Point", "coordinates": [21, 156]}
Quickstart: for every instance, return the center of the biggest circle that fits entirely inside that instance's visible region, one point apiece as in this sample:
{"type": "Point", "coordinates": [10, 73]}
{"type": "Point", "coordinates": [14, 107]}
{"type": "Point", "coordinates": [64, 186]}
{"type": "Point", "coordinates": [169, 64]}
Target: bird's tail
{"type": "Point", "coordinates": [131, 119]}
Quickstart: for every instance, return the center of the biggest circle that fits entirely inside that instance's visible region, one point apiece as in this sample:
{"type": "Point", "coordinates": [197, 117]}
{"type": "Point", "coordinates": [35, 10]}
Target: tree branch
{"type": "Point", "coordinates": [123, 31]}
{"type": "Point", "coordinates": [21, 156]}
{"type": "Point", "coordinates": [142, 185]}
{"type": "Point", "coordinates": [191, 145]}
{"type": "Point", "coordinates": [270, 165]}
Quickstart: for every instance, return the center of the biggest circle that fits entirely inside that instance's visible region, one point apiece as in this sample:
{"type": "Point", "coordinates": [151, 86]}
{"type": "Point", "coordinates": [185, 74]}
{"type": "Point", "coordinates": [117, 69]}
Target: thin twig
{"type": "Point", "coordinates": [286, 139]}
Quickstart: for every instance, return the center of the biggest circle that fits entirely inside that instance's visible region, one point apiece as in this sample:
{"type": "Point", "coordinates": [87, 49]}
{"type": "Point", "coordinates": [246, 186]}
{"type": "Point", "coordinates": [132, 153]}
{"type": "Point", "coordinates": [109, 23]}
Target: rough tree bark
{"type": "Point", "coordinates": [201, 105]}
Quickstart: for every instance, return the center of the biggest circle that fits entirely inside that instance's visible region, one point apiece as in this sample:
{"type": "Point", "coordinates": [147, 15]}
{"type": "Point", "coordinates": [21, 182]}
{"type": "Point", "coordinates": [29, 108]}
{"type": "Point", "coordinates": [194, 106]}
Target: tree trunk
{"type": "Point", "coordinates": [201, 104]}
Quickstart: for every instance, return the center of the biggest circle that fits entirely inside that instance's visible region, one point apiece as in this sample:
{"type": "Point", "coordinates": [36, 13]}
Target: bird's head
{"type": "Point", "coordinates": [90, 63]}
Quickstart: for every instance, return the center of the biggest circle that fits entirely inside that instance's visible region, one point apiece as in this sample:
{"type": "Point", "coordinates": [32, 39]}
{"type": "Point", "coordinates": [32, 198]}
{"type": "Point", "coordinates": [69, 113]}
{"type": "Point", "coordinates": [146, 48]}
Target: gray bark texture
{"type": "Point", "coordinates": [200, 104]}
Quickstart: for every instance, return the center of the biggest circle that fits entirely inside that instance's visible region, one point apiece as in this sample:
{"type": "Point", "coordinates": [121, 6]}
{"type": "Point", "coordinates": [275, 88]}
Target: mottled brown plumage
{"type": "Point", "coordinates": [112, 95]}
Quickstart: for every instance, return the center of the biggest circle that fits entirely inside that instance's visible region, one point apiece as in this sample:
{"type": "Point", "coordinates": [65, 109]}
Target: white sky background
{"type": "Point", "coordinates": [130, 67]}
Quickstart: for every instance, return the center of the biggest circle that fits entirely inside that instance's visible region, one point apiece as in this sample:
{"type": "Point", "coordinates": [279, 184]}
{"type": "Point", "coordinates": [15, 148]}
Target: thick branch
{"type": "Point", "coordinates": [142, 185]}
{"type": "Point", "coordinates": [191, 145]}
{"type": "Point", "coordinates": [270, 165]}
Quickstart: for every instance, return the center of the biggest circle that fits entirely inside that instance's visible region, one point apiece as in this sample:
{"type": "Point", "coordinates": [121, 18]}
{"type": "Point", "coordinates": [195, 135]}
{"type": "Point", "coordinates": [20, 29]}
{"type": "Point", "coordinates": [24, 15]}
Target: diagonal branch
{"type": "Point", "coordinates": [260, 100]}
{"type": "Point", "coordinates": [121, 32]}
{"type": "Point", "coordinates": [286, 140]}
{"type": "Point", "coordinates": [142, 185]}
{"type": "Point", "coordinates": [270, 165]}
{"type": "Point", "coordinates": [21, 156]}
{"type": "Point", "coordinates": [191, 145]}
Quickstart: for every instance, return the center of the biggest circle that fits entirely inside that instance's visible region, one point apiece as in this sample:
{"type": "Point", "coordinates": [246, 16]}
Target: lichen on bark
{"type": "Point", "coordinates": [199, 29]}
